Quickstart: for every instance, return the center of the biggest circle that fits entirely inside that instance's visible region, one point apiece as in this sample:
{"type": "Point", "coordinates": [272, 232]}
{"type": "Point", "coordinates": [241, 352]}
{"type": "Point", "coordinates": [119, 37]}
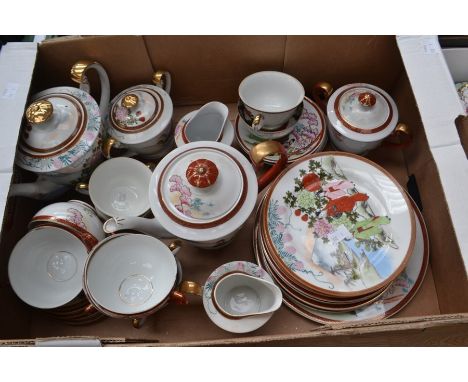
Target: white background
{"type": "Point", "coordinates": [235, 17]}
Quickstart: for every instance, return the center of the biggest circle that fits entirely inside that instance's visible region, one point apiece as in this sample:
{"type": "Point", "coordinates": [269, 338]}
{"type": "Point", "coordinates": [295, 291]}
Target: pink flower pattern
{"type": "Point", "coordinates": [185, 201]}
{"type": "Point", "coordinates": [76, 217]}
{"type": "Point", "coordinates": [322, 228]}
{"type": "Point", "coordinates": [121, 114]}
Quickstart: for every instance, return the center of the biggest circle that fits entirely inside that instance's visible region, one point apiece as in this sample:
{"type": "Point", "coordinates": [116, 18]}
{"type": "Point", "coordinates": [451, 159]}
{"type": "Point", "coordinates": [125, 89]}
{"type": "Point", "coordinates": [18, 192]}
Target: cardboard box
{"type": "Point", "coordinates": [206, 68]}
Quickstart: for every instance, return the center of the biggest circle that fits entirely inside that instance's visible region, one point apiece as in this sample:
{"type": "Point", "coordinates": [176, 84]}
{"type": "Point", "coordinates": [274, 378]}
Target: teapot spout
{"type": "Point", "coordinates": [149, 226]}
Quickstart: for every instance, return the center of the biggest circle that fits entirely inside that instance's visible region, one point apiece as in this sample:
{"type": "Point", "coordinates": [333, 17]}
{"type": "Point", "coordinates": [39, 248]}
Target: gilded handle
{"type": "Point", "coordinates": [107, 147]}
{"type": "Point", "coordinates": [137, 323]}
{"type": "Point", "coordinates": [191, 287]}
{"type": "Point", "coordinates": [400, 138]}
{"type": "Point", "coordinates": [174, 246]}
{"type": "Point", "coordinates": [321, 92]}
{"type": "Point", "coordinates": [78, 75]}
{"type": "Point", "coordinates": [82, 188]}
{"type": "Point", "coordinates": [162, 79]}
{"type": "Point", "coordinates": [179, 297]}
{"type": "Point", "coordinates": [264, 149]}
{"type": "Point", "coordinates": [257, 122]}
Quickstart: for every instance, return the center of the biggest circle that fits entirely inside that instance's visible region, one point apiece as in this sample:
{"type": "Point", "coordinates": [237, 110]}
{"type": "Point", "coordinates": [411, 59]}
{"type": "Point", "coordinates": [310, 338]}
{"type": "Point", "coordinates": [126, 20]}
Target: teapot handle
{"type": "Point", "coordinates": [260, 151]}
{"type": "Point", "coordinates": [321, 92]}
{"type": "Point", "coordinates": [162, 79]}
{"type": "Point", "coordinates": [78, 74]}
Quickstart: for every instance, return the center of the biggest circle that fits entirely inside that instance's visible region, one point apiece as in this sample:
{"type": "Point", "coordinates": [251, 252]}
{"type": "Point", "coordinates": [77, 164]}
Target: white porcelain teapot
{"type": "Point", "coordinates": [203, 192]}
{"type": "Point", "coordinates": [139, 119]}
{"type": "Point", "coordinates": [61, 140]}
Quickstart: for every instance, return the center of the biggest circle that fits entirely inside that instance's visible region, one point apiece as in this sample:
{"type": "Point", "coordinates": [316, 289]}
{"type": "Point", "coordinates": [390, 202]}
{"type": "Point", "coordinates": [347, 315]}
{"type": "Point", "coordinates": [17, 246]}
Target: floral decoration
{"type": "Point", "coordinates": [185, 202]}
{"type": "Point", "coordinates": [349, 238]}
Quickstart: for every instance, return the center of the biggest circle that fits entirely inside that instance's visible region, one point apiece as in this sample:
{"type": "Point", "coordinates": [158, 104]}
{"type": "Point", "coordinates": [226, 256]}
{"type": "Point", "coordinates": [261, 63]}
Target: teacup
{"type": "Point", "coordinates": [268, 102]}
{"type": "Point", "coordinates": [46, 267]}
{"type": "Point", "coordinates": [239, 295]}
{"type": "Point", "coordinates": [133, 276]}
{"type": "Point", "coordinates": [119, 187]}
{"type": "Point", "coordinates": [74, 216]}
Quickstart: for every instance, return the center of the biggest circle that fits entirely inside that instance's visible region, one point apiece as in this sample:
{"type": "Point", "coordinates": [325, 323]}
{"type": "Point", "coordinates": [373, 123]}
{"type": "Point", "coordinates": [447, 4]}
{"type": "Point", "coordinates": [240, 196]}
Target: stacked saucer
{"type": "Point", "coordinates": [309, 134]}
{"type": "Point", "coordinates": [341, 239]}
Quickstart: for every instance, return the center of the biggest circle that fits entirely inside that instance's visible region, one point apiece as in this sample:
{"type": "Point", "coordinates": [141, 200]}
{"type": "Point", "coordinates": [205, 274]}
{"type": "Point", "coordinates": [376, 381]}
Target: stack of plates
{"type": "Point", "coordinates": [341, 238]}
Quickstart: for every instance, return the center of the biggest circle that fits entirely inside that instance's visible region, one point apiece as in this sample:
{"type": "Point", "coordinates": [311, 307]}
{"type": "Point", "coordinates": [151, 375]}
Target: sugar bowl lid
{"type": "Point", "coordinates": [203, 190]}
{"type": "Point", "coordinates": [140, 112]}
{"type": "Point", "coordinates": [362, 112]}
{"type": "Point", "coordinates": [61, 123]}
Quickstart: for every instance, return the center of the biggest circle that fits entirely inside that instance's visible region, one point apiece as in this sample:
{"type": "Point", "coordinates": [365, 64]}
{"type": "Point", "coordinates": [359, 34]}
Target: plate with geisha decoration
{"type": "Point", "coordinates": [338, 224]}
{"type": "Point", "coordinates": [400, 292]}
{"type": "Point", "coordinates": [308, 136]}
{"type": "Point", "coordinates": [246, 324]}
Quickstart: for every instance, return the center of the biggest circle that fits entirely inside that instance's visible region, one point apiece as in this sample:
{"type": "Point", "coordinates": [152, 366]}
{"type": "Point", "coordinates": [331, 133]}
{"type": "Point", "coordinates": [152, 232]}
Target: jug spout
{"type": "Point", "coordinates": [238, 295]}
{"type": "Point", "coordinates": [149, 226]}
{"type": "Point", "coordinates": [208, 123]}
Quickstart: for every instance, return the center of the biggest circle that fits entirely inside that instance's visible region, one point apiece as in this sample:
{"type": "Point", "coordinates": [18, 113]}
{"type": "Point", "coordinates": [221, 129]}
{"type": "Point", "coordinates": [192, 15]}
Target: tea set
{"type": "Point", "coordinates": [335, 234]}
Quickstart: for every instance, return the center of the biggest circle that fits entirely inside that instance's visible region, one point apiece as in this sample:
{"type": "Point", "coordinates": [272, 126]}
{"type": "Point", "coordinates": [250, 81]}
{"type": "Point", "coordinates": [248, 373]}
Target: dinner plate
{"type": "Point", "coordinates": [338, 224]}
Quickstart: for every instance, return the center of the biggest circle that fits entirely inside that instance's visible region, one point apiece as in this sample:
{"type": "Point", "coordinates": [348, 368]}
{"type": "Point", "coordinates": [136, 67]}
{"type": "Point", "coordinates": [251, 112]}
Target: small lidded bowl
{"type": "Point", "coordinates": [139, 119]}
{"type": "Point", "coordinates": [360, 116]}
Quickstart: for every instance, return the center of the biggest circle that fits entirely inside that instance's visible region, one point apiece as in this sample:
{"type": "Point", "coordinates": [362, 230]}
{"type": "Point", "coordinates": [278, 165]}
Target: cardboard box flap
{"type": "Point", "coordinates": [439, 106]}
{"type": "Point", "coordinates": [17, 61]}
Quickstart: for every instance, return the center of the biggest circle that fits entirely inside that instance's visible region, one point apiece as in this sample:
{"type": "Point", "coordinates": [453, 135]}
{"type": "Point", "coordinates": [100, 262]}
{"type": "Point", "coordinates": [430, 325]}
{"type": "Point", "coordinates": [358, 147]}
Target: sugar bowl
{"type": "Point", "coordinates": [361, 116]}
{"type": "Point", "coordinates": [139, 119]}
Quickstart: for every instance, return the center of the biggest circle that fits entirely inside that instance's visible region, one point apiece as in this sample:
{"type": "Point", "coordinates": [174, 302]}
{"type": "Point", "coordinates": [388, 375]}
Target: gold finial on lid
{"type": "Point", "coordinates": [39, 112]}
{"type": "Point", "coordinates": [129, 101]}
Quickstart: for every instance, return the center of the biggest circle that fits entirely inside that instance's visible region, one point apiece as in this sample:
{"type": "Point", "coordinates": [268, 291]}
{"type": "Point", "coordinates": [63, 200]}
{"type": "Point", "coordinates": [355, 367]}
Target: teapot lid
{"type": "Point", "coordinates": [203, 185]}
{"type": "Point", "coordinates": [363, 112]}
{"type": "Point", "coordinates": [62, 123]}
{"type": "Point", "coordinates": [139, 113]}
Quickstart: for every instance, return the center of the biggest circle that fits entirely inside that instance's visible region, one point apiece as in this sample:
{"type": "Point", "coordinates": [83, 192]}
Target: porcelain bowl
{"type": "Point", "coordinates": [46, 267]}
{"type": "Point", "coordinates": [130, 275]}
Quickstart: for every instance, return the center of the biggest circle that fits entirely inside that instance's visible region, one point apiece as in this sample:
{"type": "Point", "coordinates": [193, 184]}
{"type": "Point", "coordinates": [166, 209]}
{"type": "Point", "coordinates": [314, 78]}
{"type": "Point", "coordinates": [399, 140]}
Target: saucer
{"type": "Point", "coordinates": [308, 136]}
{"type": "Point", "coordinates": [179, 133]}
{"type": "Point", "coordinates": [243, 325]}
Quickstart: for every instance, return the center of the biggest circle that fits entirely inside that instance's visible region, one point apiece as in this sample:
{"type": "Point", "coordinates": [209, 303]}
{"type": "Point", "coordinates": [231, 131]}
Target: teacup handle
{"type": "Point", "coordinates": [186, 287]}
{"type": "Point", "coordinates": [262, 150]}
{"type": "Point", "coordinates": [162, 79]}
{"type": "Point", "coordinates": [109, 143]}
{"type": "Point", "coordinates": [321, 92]}
{"type": "Point", "coordinates": [78, 74]}
{"type": "Point", "coordinates": [402, 134]}
{"type": "Point", "coordinates": [82, 188]}
{"type": "Point", "coordinates": [257, 122]}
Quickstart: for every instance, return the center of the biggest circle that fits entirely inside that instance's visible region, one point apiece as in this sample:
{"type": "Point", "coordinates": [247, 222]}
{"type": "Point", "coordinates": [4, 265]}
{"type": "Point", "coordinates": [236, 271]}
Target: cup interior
{"type": "Point", "coordinates": [271, 92]}
{"type": "Point", "coordinates": [119, 187]}
{"type": "Point", "coordinates": [239, 295]}
{"type": "Point", "coordinates": [46, 267]}
{"type": "Point", "coordinates": [130, 274]}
